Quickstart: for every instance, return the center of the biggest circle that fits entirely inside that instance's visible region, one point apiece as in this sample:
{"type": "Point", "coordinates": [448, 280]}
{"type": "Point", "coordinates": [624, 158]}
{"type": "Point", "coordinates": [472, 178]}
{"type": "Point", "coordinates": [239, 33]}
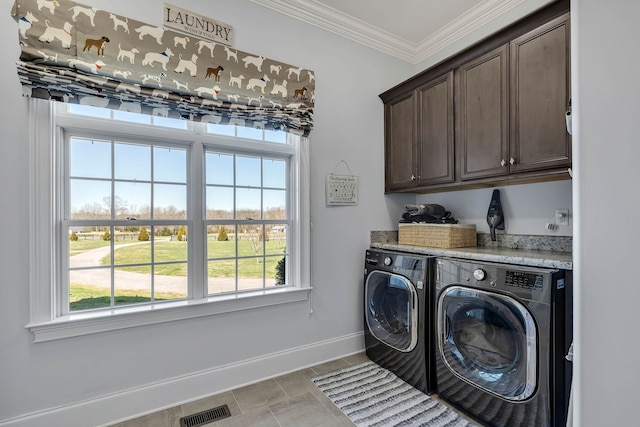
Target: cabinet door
{"type": "Point", "coordinates": [483, 115]}
{"type": "Point", "coordinates": [436, 131]}
{"type": "Point", "coordinates": [540, 93]}
{"type": "Point", "coordinates": [400, 146]}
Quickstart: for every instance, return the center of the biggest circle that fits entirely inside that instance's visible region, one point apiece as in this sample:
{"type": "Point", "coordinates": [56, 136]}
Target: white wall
{"type": "Point", "coordinates": [606, 151]}
{"type": "Point", "coordinates": [114, 375]}
{"type": "Point", "coordinates": [527, 208]}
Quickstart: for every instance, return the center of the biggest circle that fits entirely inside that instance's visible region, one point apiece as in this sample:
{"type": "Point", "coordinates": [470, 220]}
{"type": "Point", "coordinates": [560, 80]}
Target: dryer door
{"type": "Point", "coordinates": [488, 340]}
{"type": "Point", "coordinates": [391, 310]}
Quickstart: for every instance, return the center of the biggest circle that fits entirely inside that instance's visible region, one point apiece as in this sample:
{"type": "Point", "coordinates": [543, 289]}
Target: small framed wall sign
{"type": "Point", "coordinates": [341, 190]}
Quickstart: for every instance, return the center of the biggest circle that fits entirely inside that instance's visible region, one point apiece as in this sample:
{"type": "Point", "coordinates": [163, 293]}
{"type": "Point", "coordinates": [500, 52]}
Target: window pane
{"type": "Point", "coordinates": [219, 203]}
{"type": "Point", "coordinates": [221, 276]}
{"type": "Point", "coordinates": [248, 171]}
{"type": "Point", "coordinates": [275, 136]}
{"type": "Point", "coordinates": [133, 288]}
{"type": "Point", "coordinates": [250, 273]}
{"type": "Point", "coordinates": [170, 123]}
{"type": "Point", "coordinates": [221, 129]}
{"type": "Point", "coordinates": [221, 242]}
{"type": "Point", "coordinates": [248, 203]}
{"type": "Point", "coordinates": [274, 173]}
{"type": "Point", "coordinates": [89, 248]}
{"type": "Point", "coordinates": [250, 240]}
{"type": "Point", "coordinates": [170, 165]}
{"type": "Point", "coordinates": [275, 204]}
{"type": "Point", "coordinates": [87, 110]}
{"type": "Point", "coordinates": [219, 169]}
{"type": "Point", "coordinates": [138, 252]}
{"type": "Point", "coordinates": [171, 286]}
{"type": "Point", "coordinates": [129, 234]}
{"type": "Point", "coordinates": [89, 289]}
{"type": "Point", "coordinates": [276, 239]}
{"type": "Point", "coordinates": [89, 159]}
{"type": "Point", "coordinates": [132, 200]}
{"type": "Point", "coordinates": [89, 199]}
{"type": "Point", "coordinates": [171, 248]}
{"type": "Point", "coordinates": [129, 116]}
{"type": "Point", "coordinates": [276, 272]}
{"type": "Point", "coordinates": [132, 162]}
{"type": "Point", "coordinates": [247, 132]}
{"type": "Point", "coordinates": [170, 201]}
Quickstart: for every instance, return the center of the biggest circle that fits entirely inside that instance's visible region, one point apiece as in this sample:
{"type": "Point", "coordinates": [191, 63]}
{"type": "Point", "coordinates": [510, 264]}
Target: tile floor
{"type": "Point", "coordinates": [290, 400]}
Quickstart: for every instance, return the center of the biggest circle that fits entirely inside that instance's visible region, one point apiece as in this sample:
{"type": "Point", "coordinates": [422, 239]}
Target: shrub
{"type": "Point", "coordinates": [182, 233]}
{"type": "Point", "coordinates": [143, 235]}
{"type": "Point", "coordinates": [280, 271]}
{"type": "Point", "coordinates": [73, 236]}
{"type": "Point", "coordinates": [222, 234]}
{"type": "Point", "coordinates": [106, 236]}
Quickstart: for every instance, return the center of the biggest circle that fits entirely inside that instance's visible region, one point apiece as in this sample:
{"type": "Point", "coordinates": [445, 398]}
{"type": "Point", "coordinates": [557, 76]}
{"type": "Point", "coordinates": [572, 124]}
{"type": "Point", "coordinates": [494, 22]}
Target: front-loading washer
{"type": "Point", "coordinates": [500, 342]}
{"type": "Point", "coordinates": [397, 315]}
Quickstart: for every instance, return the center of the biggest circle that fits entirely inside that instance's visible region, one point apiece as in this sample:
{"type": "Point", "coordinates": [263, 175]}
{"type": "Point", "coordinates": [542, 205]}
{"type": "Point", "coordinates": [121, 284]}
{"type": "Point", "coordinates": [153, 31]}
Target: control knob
{"type": "Point", "coordinates": [388, 261]}
{"type": "Point", "coordinates": [479, 274]}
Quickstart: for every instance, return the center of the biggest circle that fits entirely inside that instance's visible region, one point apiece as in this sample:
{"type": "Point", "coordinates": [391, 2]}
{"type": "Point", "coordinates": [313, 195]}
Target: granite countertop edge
{"type": "Point", "coordinates": [528, 257]}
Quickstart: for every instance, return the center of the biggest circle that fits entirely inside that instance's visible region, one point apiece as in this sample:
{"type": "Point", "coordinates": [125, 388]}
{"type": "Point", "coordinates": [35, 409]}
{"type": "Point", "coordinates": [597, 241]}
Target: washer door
{"type": "Point", "coordinates": [488, 340]}
{"type": "Point", "coordinates": [391, 310]}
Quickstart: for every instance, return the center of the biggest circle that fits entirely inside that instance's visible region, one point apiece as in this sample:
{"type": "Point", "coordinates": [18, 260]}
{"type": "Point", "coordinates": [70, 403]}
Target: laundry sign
{"type": "Point", "coordinates": [197, 25]}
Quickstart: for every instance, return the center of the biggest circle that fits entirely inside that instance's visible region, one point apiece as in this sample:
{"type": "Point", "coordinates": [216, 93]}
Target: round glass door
{"type": "Point", "coordinates": [488, 340]}
{"type": "Point", "coordinates": [391, 318]}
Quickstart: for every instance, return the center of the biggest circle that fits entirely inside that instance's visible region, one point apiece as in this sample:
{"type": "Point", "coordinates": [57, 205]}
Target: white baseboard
{"type": "Point", "coordinates": [131, 403]}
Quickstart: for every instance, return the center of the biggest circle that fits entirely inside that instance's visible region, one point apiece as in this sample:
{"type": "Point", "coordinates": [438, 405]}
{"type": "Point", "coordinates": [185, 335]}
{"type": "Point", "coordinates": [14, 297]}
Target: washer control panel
{"type": "Point", "coordinates": [520, 279]}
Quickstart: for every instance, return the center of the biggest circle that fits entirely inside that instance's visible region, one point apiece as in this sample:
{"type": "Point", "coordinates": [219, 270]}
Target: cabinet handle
{"type": "Point", "coordinates": [503, 163]}
{"type": "Point", "coordinates": [512, 161]}
{"type": "Point", "coordinates": [413, 178]}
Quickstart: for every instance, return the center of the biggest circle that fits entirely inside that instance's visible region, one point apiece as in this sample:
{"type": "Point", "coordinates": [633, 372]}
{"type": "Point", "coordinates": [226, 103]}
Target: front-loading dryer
{"type": "Point", "coordinates": [500, 342]}
{"type": "Point", "coordinates": [397, 315]}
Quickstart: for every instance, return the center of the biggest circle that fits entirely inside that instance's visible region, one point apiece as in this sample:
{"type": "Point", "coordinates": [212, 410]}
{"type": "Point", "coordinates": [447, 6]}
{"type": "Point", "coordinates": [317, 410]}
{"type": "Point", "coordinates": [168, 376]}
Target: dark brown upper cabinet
{"type": "Point", "coordinates": [436, 131]}
{"type": "Point", "coordinates": [419, 135]}
{"type": "Point", "coordinates": [483, 115]}
{"type": "Point", "coordinates": [492, 115]}
{"type": "Point", "coordinates": [540, 93]}
{"type": "Point", "coordinates": [400, 143]}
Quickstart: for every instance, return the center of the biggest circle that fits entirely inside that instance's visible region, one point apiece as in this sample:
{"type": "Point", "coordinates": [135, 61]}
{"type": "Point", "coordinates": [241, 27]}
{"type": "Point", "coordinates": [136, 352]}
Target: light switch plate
{"type": "Point", "coordinates": [562, 216]}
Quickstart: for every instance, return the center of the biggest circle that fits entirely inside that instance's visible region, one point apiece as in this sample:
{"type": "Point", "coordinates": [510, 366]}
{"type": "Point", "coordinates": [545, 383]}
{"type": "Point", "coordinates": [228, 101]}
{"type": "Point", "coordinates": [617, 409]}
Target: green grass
{"type": "Point", "coordinates": [87, 297]}
{"type": "Point", "coordinates": [176, 252]}
{"type": "Point", "coordinates": [84, 297]}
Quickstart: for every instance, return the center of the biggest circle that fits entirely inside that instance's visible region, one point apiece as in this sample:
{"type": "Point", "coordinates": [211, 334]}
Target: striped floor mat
{"type": "Point", "coordinates": [372, 396]}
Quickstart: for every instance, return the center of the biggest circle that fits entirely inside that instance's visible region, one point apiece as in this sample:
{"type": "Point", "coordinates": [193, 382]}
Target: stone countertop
{"type": "Point", "coordinates": [534, 251]}
{"type": "Point", "coordinates": [529, 257]}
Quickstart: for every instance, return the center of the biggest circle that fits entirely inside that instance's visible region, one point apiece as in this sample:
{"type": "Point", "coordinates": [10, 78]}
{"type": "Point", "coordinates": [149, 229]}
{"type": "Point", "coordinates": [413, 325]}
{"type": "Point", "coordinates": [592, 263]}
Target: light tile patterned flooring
{"type": "Point", "coordinates": [290, 400]}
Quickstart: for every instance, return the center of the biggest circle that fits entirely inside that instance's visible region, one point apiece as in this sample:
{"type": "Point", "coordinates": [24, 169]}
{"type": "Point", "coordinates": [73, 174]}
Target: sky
{"type": "Point", "coordinates": [139, 170]}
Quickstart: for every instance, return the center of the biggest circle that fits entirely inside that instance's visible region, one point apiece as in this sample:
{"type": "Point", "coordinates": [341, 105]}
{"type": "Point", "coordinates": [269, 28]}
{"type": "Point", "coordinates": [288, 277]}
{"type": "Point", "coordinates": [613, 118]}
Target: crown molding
{"type": "Point", "coordinates": [468, 23]}
{"type": "Point", "coordinates": [344, 25]}
{"type": "Point", "coordinates": [347, 26]}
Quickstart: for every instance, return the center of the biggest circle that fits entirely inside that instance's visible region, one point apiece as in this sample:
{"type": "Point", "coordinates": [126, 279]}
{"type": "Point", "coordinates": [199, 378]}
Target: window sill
{"type": "Point", "coordinates": [74, 325]}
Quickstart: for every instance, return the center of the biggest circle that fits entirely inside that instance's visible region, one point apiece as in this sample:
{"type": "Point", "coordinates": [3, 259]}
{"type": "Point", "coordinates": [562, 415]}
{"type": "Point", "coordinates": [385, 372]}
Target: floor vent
{"type": "Point", "coordinates": [205, 417]}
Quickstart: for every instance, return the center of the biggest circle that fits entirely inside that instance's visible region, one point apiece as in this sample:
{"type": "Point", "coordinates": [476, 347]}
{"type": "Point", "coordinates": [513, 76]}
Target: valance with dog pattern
{"type": "Point", "coordinates": [75, 53]}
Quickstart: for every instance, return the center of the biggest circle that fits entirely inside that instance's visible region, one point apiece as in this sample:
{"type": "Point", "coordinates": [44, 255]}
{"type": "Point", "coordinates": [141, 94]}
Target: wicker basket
{"type": "Point", "coordinates": [444, 236]}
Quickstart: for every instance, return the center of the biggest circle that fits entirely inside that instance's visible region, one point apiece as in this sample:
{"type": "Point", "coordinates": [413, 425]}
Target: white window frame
{"type": "Point", "coordinates": [45, 212]}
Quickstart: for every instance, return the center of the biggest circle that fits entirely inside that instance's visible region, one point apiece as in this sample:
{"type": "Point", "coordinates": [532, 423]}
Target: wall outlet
{"type": "Point", "coordinates": [562, 216]}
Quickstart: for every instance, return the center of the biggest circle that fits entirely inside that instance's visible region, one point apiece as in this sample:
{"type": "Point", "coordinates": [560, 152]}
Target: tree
{"type": "Point", "coordinates": [106, 236]}
{"type": "Point", "coordinates": [143, 235]}
{"type": "Point", "coordinates": [222, 234]}
{"type": "Point", "coordinates": [118, 205]}
{"type": "Point", "coordinates": [182, 233]}
{"type": "Point", "coordinates": [73, 236]}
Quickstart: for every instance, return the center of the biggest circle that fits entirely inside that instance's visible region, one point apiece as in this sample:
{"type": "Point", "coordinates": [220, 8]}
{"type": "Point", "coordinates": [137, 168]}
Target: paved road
{"type": "Point", "coordinates": [101, 278]}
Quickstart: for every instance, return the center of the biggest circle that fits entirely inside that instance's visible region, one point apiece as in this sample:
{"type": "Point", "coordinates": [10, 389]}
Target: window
{"type": "Point", "coordinates": [153, 219]}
